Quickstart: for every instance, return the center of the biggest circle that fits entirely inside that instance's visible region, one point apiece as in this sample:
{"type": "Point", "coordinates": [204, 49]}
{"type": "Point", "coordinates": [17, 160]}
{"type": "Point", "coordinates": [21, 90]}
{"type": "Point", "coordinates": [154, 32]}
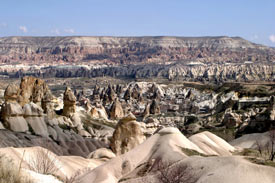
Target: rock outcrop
{"type": "Point", "coordinates": [98, 112]}
{"type": "Point", "coordinates": [12, 113]}
{"type": "Point", "coordinates": [13, 117]}
{"type": "Point", "coordinates": [69, 101]}
{"type": "Point", "coordinates": [48, 105]}
{"type": "Point", "coordinates": [116, 111]}
{"type": "Point", "coordinates": [154, 107]}
{"type": "Point", "coordinates": [11, 93]}
{"type": "Point", "coordinates": [32, 90]}
{"type": "Point", "coordinates": [128, 134]}
{"type": "Point", "coordinates": [23, 106]}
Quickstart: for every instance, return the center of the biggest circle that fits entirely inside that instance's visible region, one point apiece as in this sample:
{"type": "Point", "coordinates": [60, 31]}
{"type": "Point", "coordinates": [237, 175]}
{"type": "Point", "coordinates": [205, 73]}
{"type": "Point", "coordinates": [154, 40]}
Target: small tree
{"type": "Point", "coordinates": [259, 147]}
{"type": "Point", "coordinates": [267, 150]}
{"type": "Point", "coordinates": [174, 173]}
{"type": "Point", "coordinates": [271, 144]}
{"type": "Point", "coordinates": [43, 162]}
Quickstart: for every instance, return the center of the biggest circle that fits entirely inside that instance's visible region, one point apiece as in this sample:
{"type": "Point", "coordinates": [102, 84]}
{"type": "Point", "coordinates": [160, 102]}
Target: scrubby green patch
{"type": "Point", "coordinates": [218, 116]}
{"type": "Point", "coordinates": [261, 161]}
{"type": "Point", "coordinates": [191, 152]}
{"type": "Point", "coordinates": [248, 152]}
{"type": "Point", "coordinates": [31, 129]}
{"type": "Point", "coordinates": [254, 156]}
{"type": "Point", "coordinates": [144, 168]}
{"type": "Point", "coordinates": [123, 179]}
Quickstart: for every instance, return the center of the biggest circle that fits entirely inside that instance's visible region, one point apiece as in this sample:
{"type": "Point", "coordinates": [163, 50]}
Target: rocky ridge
{"type": "Point", "coordinates": [131, 49]}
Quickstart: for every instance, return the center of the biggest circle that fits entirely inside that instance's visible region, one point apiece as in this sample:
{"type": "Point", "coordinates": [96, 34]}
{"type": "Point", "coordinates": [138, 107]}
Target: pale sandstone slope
{"type": "Point", "coordinates": [167, 144]}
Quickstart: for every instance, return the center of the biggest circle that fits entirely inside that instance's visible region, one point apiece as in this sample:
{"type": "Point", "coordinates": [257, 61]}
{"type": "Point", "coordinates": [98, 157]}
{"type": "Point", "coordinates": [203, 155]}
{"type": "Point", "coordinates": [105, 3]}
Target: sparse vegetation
{"type": "Point", "coordinates": [173, 173]}
{"type": "Point", "coordinates": [9, 173]}
{"type": "Point", "coordinates": [43, 162]}
{"type": "Point", "coordinates": [267, 151]}
{"type": "Point", "coordinates": [190, 152]}
{"type": "Point", "coordinates": [261, 161]}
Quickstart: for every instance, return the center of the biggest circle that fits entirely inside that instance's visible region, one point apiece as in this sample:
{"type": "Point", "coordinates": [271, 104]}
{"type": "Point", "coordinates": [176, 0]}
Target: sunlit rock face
{"type": "Point", "coordinates": [69, 102]}
{"type": "Point", "coordinates": [128, 134]}
{"type": "Point", "coordinates": [116, 111]}
{"type": "Point", "coordinates": [32, 90]}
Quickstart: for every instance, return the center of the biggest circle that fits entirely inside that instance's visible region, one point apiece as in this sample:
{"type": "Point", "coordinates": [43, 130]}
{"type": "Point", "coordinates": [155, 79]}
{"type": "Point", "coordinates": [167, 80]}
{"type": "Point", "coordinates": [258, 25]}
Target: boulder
{"type": "Point", "coordinates": [32, 109]}
{"type": "Point", "coordinates": [127, 135]}
{"type": "Point", "coordinates": [11, 93]}
{"type": "Point", "coordinates": [12, 109]}
{"type": "Point", "coordinates": [17, 124]}
{"type": "Point", "coordinates": [33, 114]}
{"type": "Point", "coordinates": [12, 115]}
{"type": "Point", "coordinates": [38, 125]}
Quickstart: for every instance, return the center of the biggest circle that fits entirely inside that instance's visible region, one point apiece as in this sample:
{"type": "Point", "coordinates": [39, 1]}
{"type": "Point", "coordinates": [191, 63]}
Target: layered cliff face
{"type": "Point", "coordinates": [176, 71]}
{"type": "Point", "coordinates": [131, 49]}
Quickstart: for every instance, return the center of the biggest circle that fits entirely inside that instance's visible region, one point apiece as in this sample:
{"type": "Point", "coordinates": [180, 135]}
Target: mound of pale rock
{"type": "Point", "coordinates": [168, 144]}
{"type": "Point", "coordinates": [229, 169]}
{"type": "Point", "coordinates": [211, 144]}
{"type": "Point", "coordinates": [252, 141]}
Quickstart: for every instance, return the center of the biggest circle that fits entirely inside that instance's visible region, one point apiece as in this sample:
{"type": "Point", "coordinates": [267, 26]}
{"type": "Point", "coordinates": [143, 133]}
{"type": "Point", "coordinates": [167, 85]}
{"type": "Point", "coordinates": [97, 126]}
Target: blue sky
{"type": "Point", "coordinates": [251, 19]}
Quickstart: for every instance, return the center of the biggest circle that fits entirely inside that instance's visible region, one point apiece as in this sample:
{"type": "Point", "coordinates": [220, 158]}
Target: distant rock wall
{"type": "Point", "coordinates": [131, 49]}
{"type": "Point", "coordinates": [210, 72]}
